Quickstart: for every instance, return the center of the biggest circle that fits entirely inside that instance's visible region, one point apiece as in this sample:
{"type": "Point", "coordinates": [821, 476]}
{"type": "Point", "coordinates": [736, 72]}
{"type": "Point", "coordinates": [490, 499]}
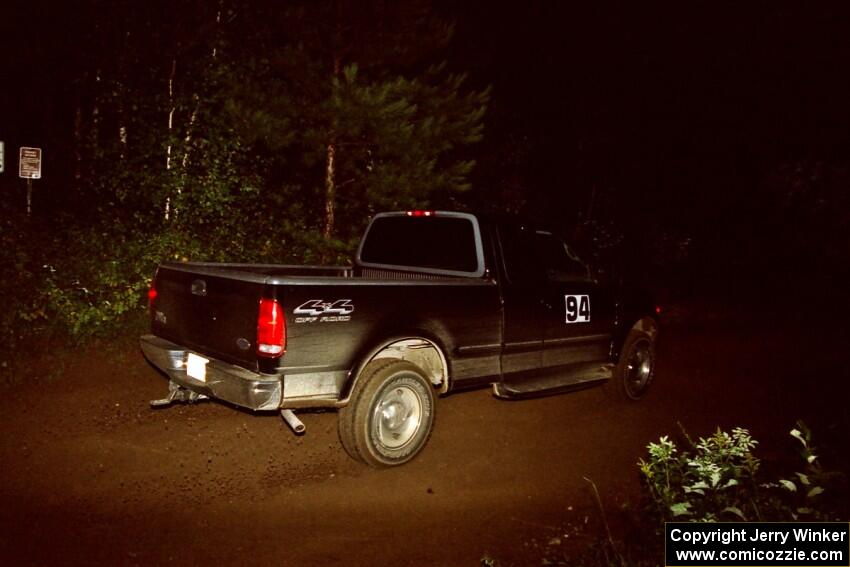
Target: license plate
{"type": "Point", "coordinates": [196, 367]}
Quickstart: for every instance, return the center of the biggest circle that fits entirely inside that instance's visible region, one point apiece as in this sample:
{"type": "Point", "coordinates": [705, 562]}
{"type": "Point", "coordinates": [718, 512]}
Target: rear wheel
{"type": "Point", "coordinates": [390, 415]}
{"type": "Point", "coordinates": [636, 368]}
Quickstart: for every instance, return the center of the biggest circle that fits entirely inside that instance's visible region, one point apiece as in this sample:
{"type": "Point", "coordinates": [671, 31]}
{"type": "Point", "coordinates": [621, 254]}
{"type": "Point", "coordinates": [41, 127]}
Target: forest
{"type": "Point", "coordinates": [704, 152]}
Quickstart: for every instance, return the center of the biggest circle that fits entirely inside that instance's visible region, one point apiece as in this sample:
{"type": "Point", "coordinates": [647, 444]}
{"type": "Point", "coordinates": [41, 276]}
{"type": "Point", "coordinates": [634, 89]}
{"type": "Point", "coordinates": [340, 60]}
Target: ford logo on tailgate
{"type": "Point", "coordinates": [199, 287]}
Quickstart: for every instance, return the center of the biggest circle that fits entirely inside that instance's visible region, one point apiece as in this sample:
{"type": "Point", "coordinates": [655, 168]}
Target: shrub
{"type": "Point", "coordinates": [74, 282]}
{"type": "Point", "coordinates": [718, 478]}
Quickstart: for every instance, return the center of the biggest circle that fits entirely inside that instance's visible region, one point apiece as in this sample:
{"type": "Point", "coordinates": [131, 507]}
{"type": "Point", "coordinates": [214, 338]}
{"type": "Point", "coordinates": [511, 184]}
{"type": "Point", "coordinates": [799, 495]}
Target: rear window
{"type": "Point", "coordinates": [439, 243]}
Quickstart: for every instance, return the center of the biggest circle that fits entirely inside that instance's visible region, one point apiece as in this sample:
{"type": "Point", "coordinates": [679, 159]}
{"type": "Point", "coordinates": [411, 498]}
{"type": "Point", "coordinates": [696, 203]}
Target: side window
{"type": "Point", "coordinates": [520, 255]}
{"type": "Point", "coordinates": [561, 265]}
{"type": "Point", "coordinates": [533, 256]}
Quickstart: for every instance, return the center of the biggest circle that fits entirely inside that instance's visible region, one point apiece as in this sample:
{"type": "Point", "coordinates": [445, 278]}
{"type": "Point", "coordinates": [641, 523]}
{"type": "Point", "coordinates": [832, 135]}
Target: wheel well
{"type": "Point", "coordinates": [422, 352]}
{"type": "Point", "coordinates": [646, 324]}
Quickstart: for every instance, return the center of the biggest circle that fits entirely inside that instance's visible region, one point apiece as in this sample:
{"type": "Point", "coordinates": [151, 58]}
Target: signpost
{"type": "Point", "coordinates": [29, 168]}
{"type": "Point", "coordinates": [2, 154]}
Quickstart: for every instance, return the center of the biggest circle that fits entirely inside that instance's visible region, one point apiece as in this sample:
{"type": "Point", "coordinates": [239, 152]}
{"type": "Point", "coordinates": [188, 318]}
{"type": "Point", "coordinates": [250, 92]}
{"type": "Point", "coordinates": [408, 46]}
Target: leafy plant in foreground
{"type": "Point", "coordinates": [719, 478]}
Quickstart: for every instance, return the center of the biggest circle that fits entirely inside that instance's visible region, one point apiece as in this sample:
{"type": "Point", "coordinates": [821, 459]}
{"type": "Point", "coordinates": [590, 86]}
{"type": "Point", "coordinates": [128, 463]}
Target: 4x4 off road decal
{"type": "Point", "coordinates": [319, 310]}
{"type": "Point", "coordinates": [578, 308]}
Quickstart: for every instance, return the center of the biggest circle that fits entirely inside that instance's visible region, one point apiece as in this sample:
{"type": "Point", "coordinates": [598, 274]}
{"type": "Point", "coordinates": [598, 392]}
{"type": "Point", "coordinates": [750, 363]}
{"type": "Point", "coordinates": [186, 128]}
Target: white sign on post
{"type": "Point", "coordinates": [29, 164]}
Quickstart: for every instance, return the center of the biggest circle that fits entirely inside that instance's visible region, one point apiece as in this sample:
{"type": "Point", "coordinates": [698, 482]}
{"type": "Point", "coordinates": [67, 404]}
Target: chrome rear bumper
{"type": "Point", "coordinates": [224, 381]}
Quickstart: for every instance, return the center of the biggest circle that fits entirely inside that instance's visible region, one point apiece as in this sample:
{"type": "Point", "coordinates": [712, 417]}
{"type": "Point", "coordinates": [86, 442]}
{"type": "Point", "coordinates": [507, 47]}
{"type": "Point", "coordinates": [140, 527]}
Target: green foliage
{"type": "Point", "coordinates": [398, 123]}
{"type": "Point", "coordinates": [189, 146]}
{"type": "Point", "coordinates": [100, 285]}
{"type": "Point", "coordinates": [398, 138]}
{"type": "Point", "coordinates": [718, 478]}
{"type": "Point", "coordinates": [21, 257]}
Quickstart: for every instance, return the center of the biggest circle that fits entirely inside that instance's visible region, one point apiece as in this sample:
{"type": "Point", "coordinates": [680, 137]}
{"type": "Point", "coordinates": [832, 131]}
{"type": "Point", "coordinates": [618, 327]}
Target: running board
{"type": "Point", "coordinates": [568, 381]}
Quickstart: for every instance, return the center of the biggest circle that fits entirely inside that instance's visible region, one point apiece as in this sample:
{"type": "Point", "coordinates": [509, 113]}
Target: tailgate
{"type": "Point", "coordinates": [211, 313]}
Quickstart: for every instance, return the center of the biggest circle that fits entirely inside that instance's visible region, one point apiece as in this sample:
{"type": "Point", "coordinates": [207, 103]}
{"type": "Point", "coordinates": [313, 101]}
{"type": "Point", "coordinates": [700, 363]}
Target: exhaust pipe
{"type": "Point", "coordinates": [292, 421]}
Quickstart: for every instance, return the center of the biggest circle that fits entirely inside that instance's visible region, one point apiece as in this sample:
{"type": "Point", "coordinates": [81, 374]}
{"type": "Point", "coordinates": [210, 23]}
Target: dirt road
{"type": "Point", "coordinates": [90, 474]}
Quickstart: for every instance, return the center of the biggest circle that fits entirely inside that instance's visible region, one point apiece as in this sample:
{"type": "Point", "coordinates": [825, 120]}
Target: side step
{"type": "Point", "coordinates": [570, 379]}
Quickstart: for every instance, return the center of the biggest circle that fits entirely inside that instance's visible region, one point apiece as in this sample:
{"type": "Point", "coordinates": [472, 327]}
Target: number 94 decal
{"type": "Point", "coordinates": [578, 308]}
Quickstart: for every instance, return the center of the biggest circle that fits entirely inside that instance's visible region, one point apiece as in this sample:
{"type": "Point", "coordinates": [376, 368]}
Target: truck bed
{"type": "Point", "coordinates": [212, 309]}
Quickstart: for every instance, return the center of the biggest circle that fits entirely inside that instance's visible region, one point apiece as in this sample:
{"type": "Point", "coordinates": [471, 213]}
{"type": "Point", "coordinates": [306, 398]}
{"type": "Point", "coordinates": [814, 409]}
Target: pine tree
{"type": "Point", "coordinates": [353, 98]}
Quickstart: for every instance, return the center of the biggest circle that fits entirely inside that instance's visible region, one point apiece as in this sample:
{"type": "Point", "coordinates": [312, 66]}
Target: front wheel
{"type": "Point", "coordinates": [390, 415]}
{"type": "Point", "coordinates": [636, 368]}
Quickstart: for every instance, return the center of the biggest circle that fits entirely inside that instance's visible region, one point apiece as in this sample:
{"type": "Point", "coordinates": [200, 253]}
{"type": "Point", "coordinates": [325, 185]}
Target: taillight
{"type": "Point", "coordinates": [271, 329]}
{"type": "Point", "coordinates": [418, 213]}
{"type": "Point", "coordinates": [151, 297]}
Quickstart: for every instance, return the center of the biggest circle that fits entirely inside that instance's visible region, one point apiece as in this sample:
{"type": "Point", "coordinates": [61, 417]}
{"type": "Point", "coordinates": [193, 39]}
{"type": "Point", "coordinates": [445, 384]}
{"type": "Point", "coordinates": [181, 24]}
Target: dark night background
{"type": "Point", "coordinates": [718, 129]}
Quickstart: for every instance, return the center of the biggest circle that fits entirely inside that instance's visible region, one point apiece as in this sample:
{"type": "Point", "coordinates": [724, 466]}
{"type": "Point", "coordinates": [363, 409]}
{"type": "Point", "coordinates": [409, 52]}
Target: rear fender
{"type": "Point", "coordinates": [417, 346]}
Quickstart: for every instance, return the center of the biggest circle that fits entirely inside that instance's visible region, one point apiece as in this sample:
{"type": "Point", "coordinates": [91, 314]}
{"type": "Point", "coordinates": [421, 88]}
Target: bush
{"type": "Point", "coordinates": [75, 282]}
{"type": "Point", "coordinates": [718, 478]}
{"type": "Point", "coordinates": [22, 255]}
{"type": "Point", "coordinates": [102, 284]}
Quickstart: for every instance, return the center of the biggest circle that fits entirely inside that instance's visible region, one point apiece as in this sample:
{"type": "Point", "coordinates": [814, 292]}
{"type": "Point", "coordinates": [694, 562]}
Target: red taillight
{"type": "Point", "coordinates": [151, 297]}
{"type": "Point", "coordinates": [271, 329]}
{"type": "Point", "coordinates": [658, 310]}
{"type": "Point", "coordinates": [418, 213]}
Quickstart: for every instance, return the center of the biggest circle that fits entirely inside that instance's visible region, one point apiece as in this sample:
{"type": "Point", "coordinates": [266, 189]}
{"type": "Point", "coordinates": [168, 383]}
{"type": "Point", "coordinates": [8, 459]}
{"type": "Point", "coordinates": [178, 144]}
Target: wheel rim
{"type": "Point", "coordinates": [397, 416]}
{"type": "Point", "coordinates": [639, 366]}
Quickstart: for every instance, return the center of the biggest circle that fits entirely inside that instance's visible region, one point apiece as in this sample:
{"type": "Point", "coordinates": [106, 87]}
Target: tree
{"type": "Point", "coordinates": [354, 98]}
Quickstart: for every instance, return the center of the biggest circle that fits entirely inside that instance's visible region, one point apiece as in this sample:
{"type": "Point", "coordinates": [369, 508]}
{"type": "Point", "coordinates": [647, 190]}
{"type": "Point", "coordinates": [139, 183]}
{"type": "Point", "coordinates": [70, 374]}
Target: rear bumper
{"type": "Point", "coordinates": [224, 381]}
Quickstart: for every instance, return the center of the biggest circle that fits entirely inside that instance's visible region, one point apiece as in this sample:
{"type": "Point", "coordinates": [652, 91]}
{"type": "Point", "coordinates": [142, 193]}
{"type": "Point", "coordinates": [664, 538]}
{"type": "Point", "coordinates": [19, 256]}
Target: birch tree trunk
{"type": "Point", "coordinates": [78, 141]}
{"type": "Point", "coordinates": [121, 95]}
{"type": "Point", "coordinates": [94, 133]}
{"type": "Point", "coordinates": [330, 190]}
{"type": "Point", "coordinates": [330, 174]}
{"type": "Point", "coordinates": [187, 141]}
{"type": "Point", "coordinates": [122, 123]}
{"type": "Point", "coordinates": [171, 109]}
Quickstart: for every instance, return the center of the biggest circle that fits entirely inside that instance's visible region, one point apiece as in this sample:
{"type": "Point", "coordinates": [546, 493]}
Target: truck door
{"type": "Point", "coordinates": [557, 319]}
{"type": "Point", "coordinates": [523, 308]}
{"type": "Point", "coordinates": [579, 311]}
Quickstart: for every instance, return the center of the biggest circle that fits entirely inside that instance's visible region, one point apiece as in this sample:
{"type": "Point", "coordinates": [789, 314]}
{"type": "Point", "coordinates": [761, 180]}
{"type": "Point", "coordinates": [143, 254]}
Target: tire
{"type": "Point", "coordinates": [636, 368]}
{"type": "Point", "coordinates": [390, 415]}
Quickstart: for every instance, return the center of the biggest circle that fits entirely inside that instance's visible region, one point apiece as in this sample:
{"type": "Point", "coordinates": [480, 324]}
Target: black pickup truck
{"type": "Point", "coordinates": [435, 302]}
